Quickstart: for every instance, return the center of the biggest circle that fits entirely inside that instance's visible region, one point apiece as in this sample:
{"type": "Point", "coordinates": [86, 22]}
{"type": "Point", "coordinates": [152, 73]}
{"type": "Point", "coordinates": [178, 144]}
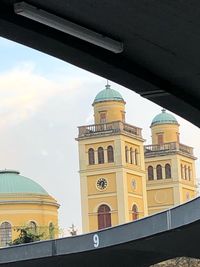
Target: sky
{"type": "Point", "coordinates": [43, 100]}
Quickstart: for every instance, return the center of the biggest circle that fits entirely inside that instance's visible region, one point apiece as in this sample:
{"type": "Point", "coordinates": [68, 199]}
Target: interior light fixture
{"type": "Point", "coordinates": [66, 26]}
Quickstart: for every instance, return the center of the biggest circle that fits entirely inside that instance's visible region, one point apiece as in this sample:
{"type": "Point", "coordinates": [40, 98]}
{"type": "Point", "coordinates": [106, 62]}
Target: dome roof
{"type": "Point", "coordinates": [13, 183]}
{"type": "Point", "coordinates": [164, 118]}
{"type": "Point", "coordinates": [108, 94]}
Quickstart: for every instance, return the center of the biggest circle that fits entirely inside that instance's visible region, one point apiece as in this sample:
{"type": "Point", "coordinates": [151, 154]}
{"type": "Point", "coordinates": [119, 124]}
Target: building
{"type": "Point", "coordinates": [123, 180]}
{"type": "Point", "coordinates": [170, 165]}
{"type": "Point", "coordinates": [24, 203]}
{"type": "Point", "coordinates": [112, 168]}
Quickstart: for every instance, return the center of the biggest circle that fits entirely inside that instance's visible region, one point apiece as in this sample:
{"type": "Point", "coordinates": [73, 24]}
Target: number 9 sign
{"type": "Point", "coordinates": [96, 240]}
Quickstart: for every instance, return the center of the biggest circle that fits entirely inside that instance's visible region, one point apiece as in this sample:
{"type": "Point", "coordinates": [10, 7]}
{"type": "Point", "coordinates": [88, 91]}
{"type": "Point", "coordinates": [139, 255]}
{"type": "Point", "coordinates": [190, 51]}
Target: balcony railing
{"type": "Point", "coordinates": [167, 147]}
{"type": "Point", "coordinates": [110, 127]}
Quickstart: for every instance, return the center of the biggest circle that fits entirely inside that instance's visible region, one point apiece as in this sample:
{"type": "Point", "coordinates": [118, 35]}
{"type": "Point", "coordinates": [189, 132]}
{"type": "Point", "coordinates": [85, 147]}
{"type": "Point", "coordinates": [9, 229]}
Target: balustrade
{"type": "Point", "coordinates": [172, 146]}
{"type": "Point", "coordinates": [110, 127]}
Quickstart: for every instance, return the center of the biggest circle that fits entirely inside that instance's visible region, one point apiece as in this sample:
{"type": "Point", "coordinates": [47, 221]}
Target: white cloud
{"type": "Point", "coordinates": [23, 92]}
{"type": "Point", "coordinates": [44, 153]}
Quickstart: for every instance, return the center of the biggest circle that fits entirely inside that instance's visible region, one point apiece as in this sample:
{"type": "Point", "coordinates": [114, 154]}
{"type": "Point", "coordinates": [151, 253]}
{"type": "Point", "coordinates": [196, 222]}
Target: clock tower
{"type": "Point", "coordinates": [112, 169]}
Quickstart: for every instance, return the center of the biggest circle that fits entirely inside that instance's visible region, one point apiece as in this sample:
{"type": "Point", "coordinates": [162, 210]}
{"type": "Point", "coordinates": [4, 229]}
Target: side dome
{"type": "Point", "coordinates": [164, 118]}
{"type": "Point", "coordinates": [13, 183]}
{"type": "Point", "coordinates": [108, 94]}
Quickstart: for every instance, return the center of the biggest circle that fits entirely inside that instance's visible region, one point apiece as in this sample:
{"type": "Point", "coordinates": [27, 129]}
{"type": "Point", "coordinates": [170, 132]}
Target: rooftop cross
{"type": "Point", "coordinates": [107, 85]}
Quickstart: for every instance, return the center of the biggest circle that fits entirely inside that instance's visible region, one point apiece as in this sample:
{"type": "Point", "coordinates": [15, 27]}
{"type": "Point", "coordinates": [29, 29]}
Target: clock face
{"type": "Point", "coordinates": [102, 183]}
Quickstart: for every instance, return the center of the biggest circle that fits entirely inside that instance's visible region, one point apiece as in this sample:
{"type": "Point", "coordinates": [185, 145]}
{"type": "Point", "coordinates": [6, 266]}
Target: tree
{"type": "Point", "coordinates": [26, 236]}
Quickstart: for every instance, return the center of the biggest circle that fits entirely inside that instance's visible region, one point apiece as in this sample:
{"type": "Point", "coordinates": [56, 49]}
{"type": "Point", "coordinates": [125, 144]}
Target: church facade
{"type": "Point", "coordinates": [121, 179]}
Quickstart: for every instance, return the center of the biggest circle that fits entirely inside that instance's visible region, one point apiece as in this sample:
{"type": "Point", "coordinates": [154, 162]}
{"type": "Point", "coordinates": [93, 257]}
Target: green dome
{"type": "Point", "coordinates": [164, 118]}
{"type": "Point", "coordinates": [13, 183]}
{"type": "Point", "coordinates": [108, 94]}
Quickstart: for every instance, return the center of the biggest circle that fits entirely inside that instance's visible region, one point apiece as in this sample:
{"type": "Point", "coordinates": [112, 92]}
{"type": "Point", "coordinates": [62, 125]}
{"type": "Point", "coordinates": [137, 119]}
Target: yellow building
{"type": "Point", "coordinates": [23, 202]}
{"type": "Point", "coordinates": [122, 180]}
{"type": "Point", "coordinates": [170, 166]}
{"type": "Point", "coordinates": [112, 169]}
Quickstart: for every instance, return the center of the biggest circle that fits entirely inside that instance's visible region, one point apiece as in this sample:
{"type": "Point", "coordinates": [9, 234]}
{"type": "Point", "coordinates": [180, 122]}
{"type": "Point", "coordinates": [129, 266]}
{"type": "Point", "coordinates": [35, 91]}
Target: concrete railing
{"type": "Point", "coordinates": [172, 146]}
{"type": "Point", "coordinates": [110, 127]}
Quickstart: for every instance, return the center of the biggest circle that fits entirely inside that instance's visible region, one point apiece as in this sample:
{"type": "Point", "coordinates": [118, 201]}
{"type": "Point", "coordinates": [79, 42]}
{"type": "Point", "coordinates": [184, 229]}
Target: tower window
{"type": "Point", "coordinates": [100, 155]}
{"type": "Point", "coordinates": [150, 173]}
{"type": "Point", "coordinates": [135, 213]}
{"type": "Point", "coordinates": [126, 154]}
{"type": "Point", "coordinates": [131, 155]}
{"type": "Point", "coordinates": [136, 156]}
{"type": "Point", "coordinates": [167, 171]}
{"type": "Point", "coordinates": [91, 159]}
{"type": "Point", "coordinates": [103, 117]}
{"type": "Point", "coordinates": [160, 139]}
{"type": "Point", "coordinates": [182, 173]}
{"type": "Point", "coordinates": [104, 217]}
{"type": "Point", "coordinates": [189, 173]}
{"type": "Point", "coordinates": [185, 172]}
{"type": "Point", "coordinates": [110, 154]}
{"type": "Point", "coordinates": [159, 172]}
{"type": "Point", "coordinates": [5, 234]}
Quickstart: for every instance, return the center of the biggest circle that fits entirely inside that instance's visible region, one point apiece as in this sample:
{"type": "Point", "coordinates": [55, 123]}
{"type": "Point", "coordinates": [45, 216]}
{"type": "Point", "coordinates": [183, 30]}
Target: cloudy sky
{"type": "Point", "coordinates": [43, 100]}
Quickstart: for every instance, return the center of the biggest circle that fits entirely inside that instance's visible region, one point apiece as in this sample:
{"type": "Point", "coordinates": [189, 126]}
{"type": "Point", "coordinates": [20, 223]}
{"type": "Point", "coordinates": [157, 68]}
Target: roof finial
{"type": "Point", "coordinates": [107, 85]}
{"type": "Point", "coordinates": [163, 110]}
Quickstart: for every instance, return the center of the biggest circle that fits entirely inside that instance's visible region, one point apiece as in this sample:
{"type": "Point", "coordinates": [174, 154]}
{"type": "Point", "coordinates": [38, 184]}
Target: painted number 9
{"type": "Point", "coordinates": [96, 240]}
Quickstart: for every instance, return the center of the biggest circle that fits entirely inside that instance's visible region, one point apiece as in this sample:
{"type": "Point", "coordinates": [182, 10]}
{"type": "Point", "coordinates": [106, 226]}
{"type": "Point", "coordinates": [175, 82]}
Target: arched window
{"type": "Point", "coordinates": [51, 231]}
{"type": "Point", "coordinates": [185, 172]}
{"type": "Point", "coordinates": [104, 217]}
{"type": "Point", "coordinates": [126, 154]}
{"type": "Point", "coordinates": [167, 171]}
{"type": "Point", "coordinates": [91, 156]}
{"type": "Point", "coordinates": [110, 154]}
{"type": "Point", "coordinates": [100, 155]}
{"type": "Point", "coordinates": [189, 173]}
{"type": "Point", "coordinates": [5, 234]}
{"type": "Point", "coordinates": [131, 155]}
{"type": "Point", "coordinates": [182, 174]}
{"type": "Point", "coordinates": [159, 172]}
{"type": "Point", "coordinates": [135, 213]}
{"type": "Point", "coordinates": [33, 226]}
{"type": "Point", "coordinates": [150, 173]}
{"type": "Point", "coordinates": [136, 156]}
